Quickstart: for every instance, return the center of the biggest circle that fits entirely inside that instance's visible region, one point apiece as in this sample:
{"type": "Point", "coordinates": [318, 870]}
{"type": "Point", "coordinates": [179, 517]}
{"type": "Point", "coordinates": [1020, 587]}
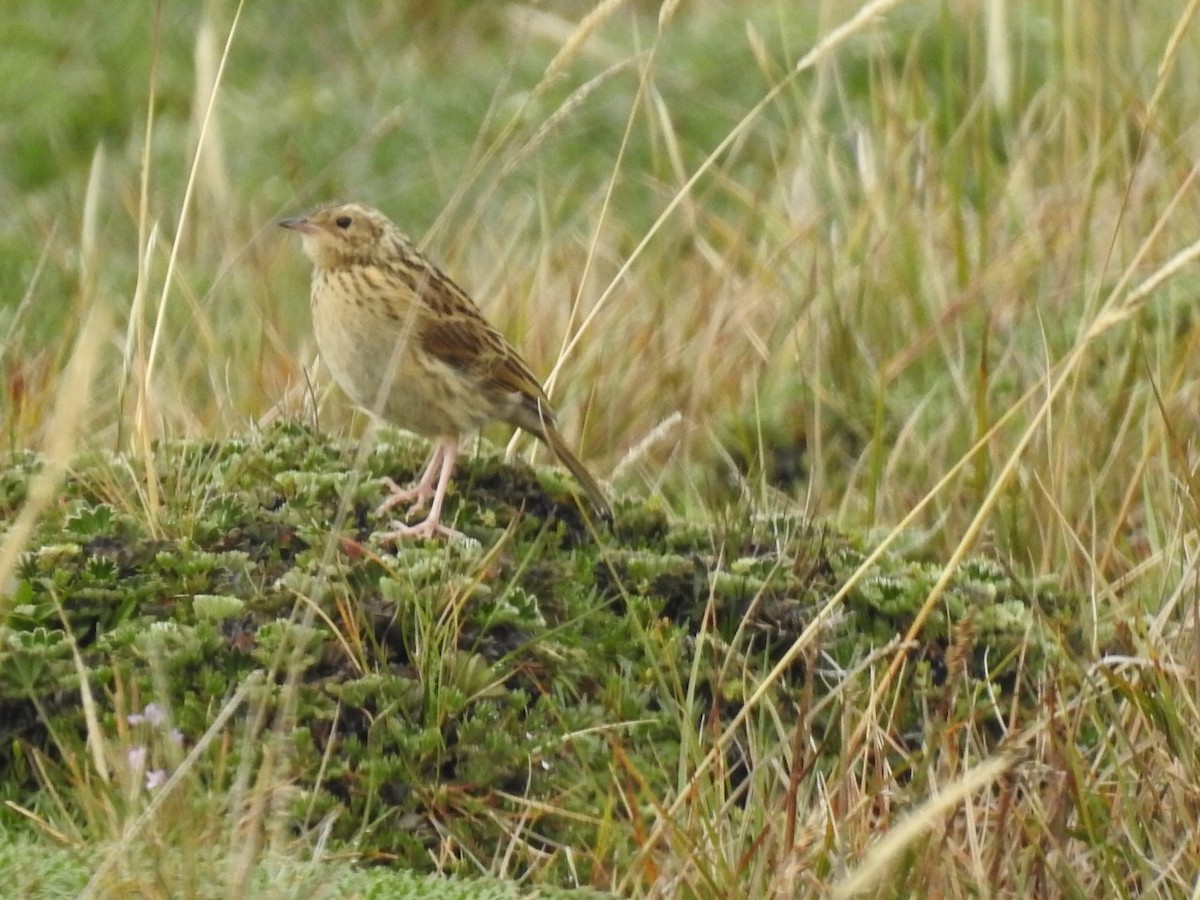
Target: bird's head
{"type": "Point", "coordinates": [339, 235]}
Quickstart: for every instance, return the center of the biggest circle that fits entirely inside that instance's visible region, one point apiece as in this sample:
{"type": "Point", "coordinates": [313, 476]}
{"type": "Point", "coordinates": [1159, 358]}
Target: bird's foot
{"type": "Point", "coordinates": [418, 496]}
{"type": "Point", "coordinates": [428, 528]}
{"type": "Point", "coordinates": [432, 484]}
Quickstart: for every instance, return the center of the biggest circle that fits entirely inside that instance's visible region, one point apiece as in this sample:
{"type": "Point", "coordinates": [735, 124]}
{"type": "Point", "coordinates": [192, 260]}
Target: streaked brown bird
{"type": "Point", "coordinates": [407, 343]}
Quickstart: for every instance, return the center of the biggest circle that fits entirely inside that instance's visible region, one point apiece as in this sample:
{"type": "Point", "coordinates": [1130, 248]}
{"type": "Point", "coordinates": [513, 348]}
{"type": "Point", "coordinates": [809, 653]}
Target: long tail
{"type": "Point", "coordinates": [591, 487]}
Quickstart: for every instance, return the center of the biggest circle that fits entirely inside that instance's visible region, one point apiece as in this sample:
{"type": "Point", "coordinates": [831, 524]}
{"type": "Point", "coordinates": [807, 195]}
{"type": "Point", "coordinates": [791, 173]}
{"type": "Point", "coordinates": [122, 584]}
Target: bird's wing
{"type": "Point", "coordinates": [453, 330]}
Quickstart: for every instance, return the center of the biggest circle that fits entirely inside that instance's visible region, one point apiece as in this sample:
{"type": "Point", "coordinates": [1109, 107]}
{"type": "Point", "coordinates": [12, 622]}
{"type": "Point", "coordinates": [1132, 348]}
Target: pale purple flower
{"type": "Point", "coordinates": [153, 715]}
{"type": "Point", "coordinates": [135, 758]}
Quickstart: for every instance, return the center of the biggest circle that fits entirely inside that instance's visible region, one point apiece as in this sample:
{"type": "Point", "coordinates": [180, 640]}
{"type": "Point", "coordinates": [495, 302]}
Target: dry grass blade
{"type": "Point", "coordinates": [88, 247]}
{"type": "Point", "coordinates": [587, 26]}
{"type": "Point", "coordinates": [26, 301]}
{"type": "Point", "coordinates": [571, 46]}
{"type": "Point", "coordinates": [999, 55]}
{"type": "Point", "coordinates": [144, 413]}
{"type": "Point", "coordinates": [571, 339]}
{"type": "Point", "coordinates": [573, 101]}
{"type": "Point", "coordinates": [868, 876]}
{"type": "Point", "coordinates": [69, 416]}
{"type": "Point", "coordinates": [865, 18]}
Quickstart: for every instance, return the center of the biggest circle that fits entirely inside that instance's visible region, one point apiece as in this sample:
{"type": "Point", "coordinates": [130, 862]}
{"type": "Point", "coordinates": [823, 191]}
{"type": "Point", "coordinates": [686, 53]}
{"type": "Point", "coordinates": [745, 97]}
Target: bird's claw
{"type": "Point", "coordinates": [423, 529]}
{"type": "Point", "coordinates": [419, 496]}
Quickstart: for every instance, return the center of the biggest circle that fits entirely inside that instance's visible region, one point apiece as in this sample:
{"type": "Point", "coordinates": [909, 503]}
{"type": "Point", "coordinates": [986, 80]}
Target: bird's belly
{"type": "Point", "coordinates": [379, 366]}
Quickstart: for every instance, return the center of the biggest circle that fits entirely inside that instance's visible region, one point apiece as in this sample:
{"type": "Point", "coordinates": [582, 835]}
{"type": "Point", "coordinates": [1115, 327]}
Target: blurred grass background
{"type": "Point", "coordinates": [896, 256]}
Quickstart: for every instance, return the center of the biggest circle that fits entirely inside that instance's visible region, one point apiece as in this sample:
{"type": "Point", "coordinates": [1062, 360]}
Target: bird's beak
{"type": "Point", "coordinates": [300, 224]}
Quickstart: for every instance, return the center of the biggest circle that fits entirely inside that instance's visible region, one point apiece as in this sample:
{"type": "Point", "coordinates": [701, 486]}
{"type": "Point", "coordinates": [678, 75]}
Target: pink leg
{"type": "Point", "coordinates": [432, 525]}
{"type": "Point", "coordinates": [419, 493]}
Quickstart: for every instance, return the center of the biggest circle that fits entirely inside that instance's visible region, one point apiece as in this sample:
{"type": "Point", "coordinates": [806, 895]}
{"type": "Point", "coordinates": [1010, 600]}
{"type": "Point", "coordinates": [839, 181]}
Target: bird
{"type": "Point", "coordinates": [407, 344]}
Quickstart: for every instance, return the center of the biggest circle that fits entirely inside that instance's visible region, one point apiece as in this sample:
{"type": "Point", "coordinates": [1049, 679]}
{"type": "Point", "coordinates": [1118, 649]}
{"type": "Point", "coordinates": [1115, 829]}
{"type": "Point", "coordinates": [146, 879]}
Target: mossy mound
{"type": "Point", "coordinates": [447, 699]}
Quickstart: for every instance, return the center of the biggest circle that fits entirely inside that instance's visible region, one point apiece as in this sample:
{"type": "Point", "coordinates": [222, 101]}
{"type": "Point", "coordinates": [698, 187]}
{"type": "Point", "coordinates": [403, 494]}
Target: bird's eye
{"type": "Point", "coordinates": [342, 221]}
